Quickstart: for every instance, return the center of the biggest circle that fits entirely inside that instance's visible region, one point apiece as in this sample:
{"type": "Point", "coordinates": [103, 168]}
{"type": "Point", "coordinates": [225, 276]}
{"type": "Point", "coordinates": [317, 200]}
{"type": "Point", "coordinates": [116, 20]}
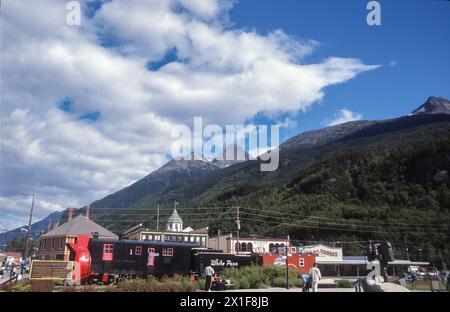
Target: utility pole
{"type": "Point", "coordinates": [287, 263]}
{"type": "Point", "coordinates": [28, 233]}
{"type": "Point", "coordinates": [238, 224]}
{"type": "Point", "coordinates": [407, 250]}
{"type": "Point", "coordinates": [420, 252]}
{"type": "Point", "coordinates": [157, 218]}
{"type": "Point", "coordinates": [218, 239]}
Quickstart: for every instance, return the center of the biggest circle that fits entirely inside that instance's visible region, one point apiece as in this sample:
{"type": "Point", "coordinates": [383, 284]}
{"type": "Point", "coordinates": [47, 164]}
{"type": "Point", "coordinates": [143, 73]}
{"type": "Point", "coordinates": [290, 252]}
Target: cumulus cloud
{"type": "Point", "coordinates": [344, 116]}
{"type": "Point", "coordinates": [225, 74]}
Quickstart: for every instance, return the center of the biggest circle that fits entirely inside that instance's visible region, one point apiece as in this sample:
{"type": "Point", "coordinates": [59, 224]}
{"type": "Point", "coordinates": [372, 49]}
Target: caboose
{"type": "Point", "coordinates": [103, 260]}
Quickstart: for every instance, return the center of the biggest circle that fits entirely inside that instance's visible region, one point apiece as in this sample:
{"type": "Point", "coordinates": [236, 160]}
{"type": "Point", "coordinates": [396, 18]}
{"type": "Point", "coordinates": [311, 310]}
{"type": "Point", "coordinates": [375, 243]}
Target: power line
{"type": "Point", "coordinates": [335, 224]}
{"type": "Point", "coordinates": [322, 227]}
{"type": "Point", "coordinates": [334, 219]}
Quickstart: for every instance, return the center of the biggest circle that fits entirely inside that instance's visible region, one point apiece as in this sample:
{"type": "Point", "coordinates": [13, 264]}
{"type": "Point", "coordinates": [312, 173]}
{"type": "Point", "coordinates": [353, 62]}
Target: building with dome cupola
{"type": "Point", "coordinates": [174, 232]}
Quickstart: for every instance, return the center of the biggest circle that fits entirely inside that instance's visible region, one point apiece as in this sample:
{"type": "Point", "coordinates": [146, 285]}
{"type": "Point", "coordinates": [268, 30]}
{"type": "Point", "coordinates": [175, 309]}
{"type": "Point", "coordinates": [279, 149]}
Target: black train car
{"type": "Point", "coordinates": [218, 260]}
{"type": "Point", "coordinates": [128, 258]}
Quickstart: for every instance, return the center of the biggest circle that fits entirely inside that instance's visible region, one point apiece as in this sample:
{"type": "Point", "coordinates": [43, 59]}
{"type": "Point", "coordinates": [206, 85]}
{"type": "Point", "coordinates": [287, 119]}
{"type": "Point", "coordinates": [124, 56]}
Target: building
{"type": "Point", "coordinates": [53, 245]}
{"type": "Point", "coordinates": [174, 232]}
{"type": "Point", "coordinates": [13, 257]}
{"type": "Point", "coordinates": [233, 244]}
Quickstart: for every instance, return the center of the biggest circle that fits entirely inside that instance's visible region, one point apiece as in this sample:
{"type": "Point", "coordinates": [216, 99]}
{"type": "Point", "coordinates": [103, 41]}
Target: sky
{"type": "Point", "coordinates": [87, 110]}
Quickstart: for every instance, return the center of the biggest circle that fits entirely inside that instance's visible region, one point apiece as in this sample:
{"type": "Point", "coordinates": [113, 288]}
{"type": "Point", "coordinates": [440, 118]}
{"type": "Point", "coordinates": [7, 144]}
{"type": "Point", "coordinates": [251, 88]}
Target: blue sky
{"type": "Point", "coordinates": [414, 35]}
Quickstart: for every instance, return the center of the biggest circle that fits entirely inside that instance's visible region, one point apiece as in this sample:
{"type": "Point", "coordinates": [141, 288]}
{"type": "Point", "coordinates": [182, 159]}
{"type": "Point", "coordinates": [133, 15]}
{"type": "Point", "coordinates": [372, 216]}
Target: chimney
{"type": "Point", "coordinates": [49, 227]}
{"type": "Point", "coordinates": [88, 211]}
{"type": "Point", "coordinates": [70, 215]}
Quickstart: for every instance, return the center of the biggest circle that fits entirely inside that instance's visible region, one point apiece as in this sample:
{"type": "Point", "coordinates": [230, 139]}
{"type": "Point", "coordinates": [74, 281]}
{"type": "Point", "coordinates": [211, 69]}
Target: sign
{"type": "Point", "coordinates": [322, 252]}
{"type": "Point", "coordinates": [51, 270]}
{"type": "Point", "coordinates": [223, 263]}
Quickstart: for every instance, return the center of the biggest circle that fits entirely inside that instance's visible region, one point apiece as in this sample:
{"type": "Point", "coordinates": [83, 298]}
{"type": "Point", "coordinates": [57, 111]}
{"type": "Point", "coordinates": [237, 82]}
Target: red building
{"type": "Point", "coordinates": [303, 263]}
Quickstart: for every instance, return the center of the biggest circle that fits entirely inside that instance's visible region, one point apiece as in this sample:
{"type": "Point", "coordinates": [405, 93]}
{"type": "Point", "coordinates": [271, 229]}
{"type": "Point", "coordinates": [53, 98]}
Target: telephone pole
{"type": "Point", "coordinates": [238, 224]}
{"type": "Point", "coordinates": [28, 232]}
{"type": "Point", "coordinates": [287, 263]}
{"type": "Point", "coordinates": [157, 218]}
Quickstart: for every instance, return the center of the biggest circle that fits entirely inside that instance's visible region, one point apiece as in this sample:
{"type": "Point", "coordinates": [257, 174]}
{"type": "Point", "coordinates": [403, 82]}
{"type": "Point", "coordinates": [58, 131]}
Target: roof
{"type": "Point", "coordinates": [175, 218]}
{"type": "Point", "coordinates": [80, 226]}
{"type": "Point", "coordinates": [200, 231]}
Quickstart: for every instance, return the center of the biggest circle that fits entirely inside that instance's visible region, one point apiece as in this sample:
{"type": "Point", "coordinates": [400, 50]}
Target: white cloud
{"type": "Point", "coordinates": [224, 74]}
{"type": "Point", "coordinates": [344, 116]}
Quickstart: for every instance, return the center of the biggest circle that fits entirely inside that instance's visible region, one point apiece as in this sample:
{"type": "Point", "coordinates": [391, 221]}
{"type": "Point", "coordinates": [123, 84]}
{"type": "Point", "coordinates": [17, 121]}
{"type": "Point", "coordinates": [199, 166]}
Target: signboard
{"type": "Point", "coordinates": [51, 270]}
{"type": "Point", "coordinates": [322, 252]}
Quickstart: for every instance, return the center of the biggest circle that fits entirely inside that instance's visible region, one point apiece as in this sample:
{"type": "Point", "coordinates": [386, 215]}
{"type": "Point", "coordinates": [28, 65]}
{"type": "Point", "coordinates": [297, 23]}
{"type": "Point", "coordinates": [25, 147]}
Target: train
{"type": "Point", "coordinates": [107, 261]}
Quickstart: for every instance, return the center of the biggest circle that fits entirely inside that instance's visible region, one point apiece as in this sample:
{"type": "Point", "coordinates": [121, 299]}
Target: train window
{"type": "Point", "coordinates": [157, 238]}
{"type": "Point", "coordinates": [167, 252]}
{"type": "Point", "coordinates": [186, 239]}
{"type": "Point", "coordinates": [293, 250]}
{"type": "Point", "coordinates": [108, 252]}
{"type": "Point", "coordinates": [138, 250]}
{"type": "Point", "coordinates": [144, 237]}
{"type": "Point", "coordinates": [301, 262]}
{"type": "Point", "coordinates": [192, 239]}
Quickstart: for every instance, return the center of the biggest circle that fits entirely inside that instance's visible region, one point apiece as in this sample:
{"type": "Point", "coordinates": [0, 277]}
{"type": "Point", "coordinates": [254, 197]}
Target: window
{"type": "Point", "coordinates": [138, 250]}
{"type": "Point", "coordinates": [244, 247]}
{"type": "Point", "coordinates": [301, 262]}
{"type": "Point", "coordinates": [61, 243]}
{"type": "Point", "coordinates": [197, 239]}
{"type": "Point", "coordinates": [157, 238]}
{"type": "Point", "coordinates": [144, 237]}
{"type": "Point", "coordinates": [203, 239]}
{"type": "Point", "coordinates": [151, 256]}
{"type": "Point", "coordinates": [180, 238]}
{"type": "Point", "coordinates": [250, 247]}
{"type": "Point", "coordinates": [53, 243]}
{"type": "Point", "coordinates": [108, 252]}
{"type": "Point", "coordinates": [192, 239]}
{"type": "Point", "coordinates": [167, 252]}
{"type": "Point", "coordinates": [186, 239]}
{"type": "Point", "coordinates": [293, 250]}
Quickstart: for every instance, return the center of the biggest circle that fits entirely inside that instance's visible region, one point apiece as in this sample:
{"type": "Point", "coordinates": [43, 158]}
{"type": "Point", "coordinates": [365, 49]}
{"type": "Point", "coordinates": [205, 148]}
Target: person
{"type": "Point", "coordinates": [209, 272]}
{"type": "Point", "coordinates": [315, 277]}
{"type": "Point", "coordinates": [413, 279]}
{"type": "Point", "coordinates": [448, 281]}
{"type": "Point", "coordinates": [385, 275]}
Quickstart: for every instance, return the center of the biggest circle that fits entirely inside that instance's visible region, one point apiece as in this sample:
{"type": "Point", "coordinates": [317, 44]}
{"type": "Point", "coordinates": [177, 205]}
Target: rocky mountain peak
{"type": "Point", "coordinates": [434, 105]}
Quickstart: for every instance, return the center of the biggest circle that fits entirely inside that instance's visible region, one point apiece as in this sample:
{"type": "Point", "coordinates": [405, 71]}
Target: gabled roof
{"type": "Point", "coordinates": [201, 231]}
{"type": "Point", "coordinates": [80, 226]}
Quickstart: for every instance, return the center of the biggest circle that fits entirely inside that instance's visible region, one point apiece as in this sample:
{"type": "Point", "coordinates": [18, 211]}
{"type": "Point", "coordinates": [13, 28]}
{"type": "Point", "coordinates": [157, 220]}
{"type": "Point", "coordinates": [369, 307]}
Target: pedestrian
{"type": "Point", "coordinates": [385, 275]}
{"type": "Point", "coordinates": [315, 277]}
{"type": "Point", "coordinates": [209, 272]}
{"type": "Point", "coordinates": [448, 281]}
{"type": "Point", "coordinates": [413, 279]}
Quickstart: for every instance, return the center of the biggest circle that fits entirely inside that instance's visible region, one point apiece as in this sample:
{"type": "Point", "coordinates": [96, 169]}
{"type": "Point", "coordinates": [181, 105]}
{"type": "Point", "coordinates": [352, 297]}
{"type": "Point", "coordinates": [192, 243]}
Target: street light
{"type": "Point", "coordinates": [28, 232]}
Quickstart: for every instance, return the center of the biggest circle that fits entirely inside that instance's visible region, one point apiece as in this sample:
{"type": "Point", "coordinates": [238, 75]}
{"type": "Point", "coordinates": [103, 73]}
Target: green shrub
{"type": "Point", "coordinates": [244, 283]}
{"type": "Point", "coordinates": [344, 283]}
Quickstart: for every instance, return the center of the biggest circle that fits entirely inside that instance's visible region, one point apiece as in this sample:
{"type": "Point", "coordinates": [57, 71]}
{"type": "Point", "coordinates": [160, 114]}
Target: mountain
{"type": "Point", "coordinates": [434, 105]}
{"type": "Point", "coordinates": [296, 154]}
{"type": "Point", "coordinates": [36, 229]}
{"type": "Point", "coordinates": [175, 171]}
